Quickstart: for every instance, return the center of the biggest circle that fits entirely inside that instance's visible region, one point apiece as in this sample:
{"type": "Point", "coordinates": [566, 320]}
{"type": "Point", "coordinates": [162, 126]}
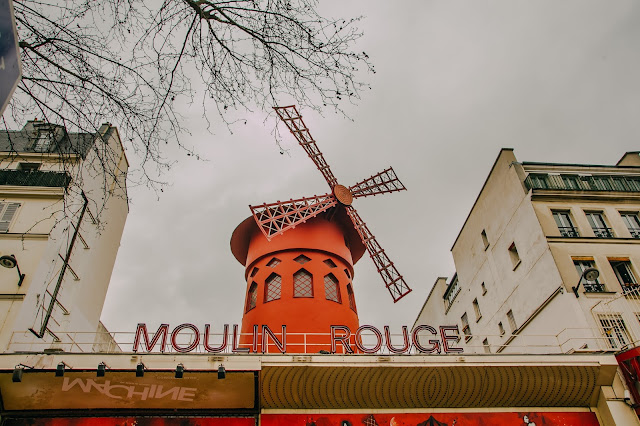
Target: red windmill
{"type": "Point", "coordinates": [276, 218]}
{"type": "Point", "coordinates": [299, 266]}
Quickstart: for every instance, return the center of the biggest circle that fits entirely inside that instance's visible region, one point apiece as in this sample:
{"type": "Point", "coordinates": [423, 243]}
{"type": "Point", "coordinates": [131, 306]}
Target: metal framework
{"type": "Point", "coordinates": [276, 218]}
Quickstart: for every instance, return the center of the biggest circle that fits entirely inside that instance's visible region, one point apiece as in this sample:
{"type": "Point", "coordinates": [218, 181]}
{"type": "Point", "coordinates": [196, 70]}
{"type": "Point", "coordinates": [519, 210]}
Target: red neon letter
{"type": "Point", "coordinates": [163, 330]}
{"type": "Point", "coordinates": [446, 338]}
{"type": "Point", "coordinates": [405, 334]}
{"type": "Point", "coordinates": [375, 331]}
{"type": "Point", "coordinates": [435, 344]}
{"type": "Point", "coordinates": [282, 346]}
{"type": "Point", "coordinates": [344, 339]}
{"type": "Point", "coordinates": [220, 348]}
{"type": "Point", "coordinates": [192, 345]}
{"type": "Point", "coordinates": [234, 344]}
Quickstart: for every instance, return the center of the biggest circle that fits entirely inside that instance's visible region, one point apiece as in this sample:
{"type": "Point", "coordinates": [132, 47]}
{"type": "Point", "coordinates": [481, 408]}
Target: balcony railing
{"type": "Point", "coordinates": [583, 183]}
{"type": "Point", "coordinates": [603, 232]}
{"type": "Point", "coordinates": [34, 178]}
{"type": "Point", "coordinates": [594, 288]}
{"type": "Point", "coordinates": [568, 231]}
{"type": "Point", "coordinates": [635, 233]}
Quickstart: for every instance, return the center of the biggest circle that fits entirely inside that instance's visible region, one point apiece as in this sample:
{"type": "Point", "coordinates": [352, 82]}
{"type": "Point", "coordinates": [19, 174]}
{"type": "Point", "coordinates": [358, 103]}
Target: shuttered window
{"type": "Point", "coordinates": [7, 213]}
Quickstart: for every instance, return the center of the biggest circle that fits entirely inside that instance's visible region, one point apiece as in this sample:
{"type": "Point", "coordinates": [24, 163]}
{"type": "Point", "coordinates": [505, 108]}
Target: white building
{"type": "Point", "coordinates": [63, 205]}
{"type": "Point", "coordinates": [533, 230]}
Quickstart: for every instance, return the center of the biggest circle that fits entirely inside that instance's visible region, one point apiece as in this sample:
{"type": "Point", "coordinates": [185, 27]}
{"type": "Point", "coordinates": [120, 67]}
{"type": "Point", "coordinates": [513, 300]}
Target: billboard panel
{"type": "Point", "coordinates": [132, 421]}
{"type": "Point", "coordinates": [123, 390]}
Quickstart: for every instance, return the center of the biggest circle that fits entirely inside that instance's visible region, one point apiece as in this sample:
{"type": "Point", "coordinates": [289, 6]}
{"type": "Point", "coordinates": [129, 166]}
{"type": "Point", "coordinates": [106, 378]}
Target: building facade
{"type": "Point", "coordinates": [63, 205]}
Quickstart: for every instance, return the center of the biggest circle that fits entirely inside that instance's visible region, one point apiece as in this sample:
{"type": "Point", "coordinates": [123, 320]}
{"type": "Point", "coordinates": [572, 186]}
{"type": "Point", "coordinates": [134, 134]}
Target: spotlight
{"type": "Point", "coordinates": [221, 372]}
{"type": "Point", "coordinates": [179, 371]}
{"type": "Point", "coordinates": [60, 369]}
{"type": "Point", "coordinates": [101, 369]}
{"type": "Point", "coordinates": [12, 262]}
{"type": "Point", "coordinates": [17, 374]}
{"type": "Point", "coordinates": [140, 370]}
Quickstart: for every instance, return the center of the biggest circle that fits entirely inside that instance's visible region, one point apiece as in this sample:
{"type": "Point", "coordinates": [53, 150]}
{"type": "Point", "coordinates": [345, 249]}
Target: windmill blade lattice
{"type": "Point", "coordinates": [275, 218]}
{"type": "Point", "coordinates": [383, 182]}
{"type": "Point", "coordinates": [290, 116]}
{"type": "Point", "coordinates": [394, 282]}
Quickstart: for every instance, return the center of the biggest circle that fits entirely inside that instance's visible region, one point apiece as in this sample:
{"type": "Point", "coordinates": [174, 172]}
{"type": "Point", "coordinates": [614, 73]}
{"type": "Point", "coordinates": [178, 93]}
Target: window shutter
{"type": "Point", "coordinates": [7, 211]}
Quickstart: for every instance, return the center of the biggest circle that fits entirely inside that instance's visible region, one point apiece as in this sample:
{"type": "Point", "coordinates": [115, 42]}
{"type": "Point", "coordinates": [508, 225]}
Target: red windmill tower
{"type": "Point", "coordinates": [299, 255]}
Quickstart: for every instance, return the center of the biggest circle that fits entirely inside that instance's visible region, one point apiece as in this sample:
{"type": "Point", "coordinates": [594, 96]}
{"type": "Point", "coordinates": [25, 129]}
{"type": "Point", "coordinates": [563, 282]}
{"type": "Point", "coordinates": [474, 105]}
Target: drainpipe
{"type": "Point", "coordinates": [54, 296]}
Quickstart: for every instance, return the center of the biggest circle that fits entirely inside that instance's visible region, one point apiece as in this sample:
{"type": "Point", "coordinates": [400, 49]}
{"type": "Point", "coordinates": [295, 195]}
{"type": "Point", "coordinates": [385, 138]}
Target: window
{"type": "Point", "coordinates": [302, 259]}
{"type": "Point", "coordinates": [565, 225]}
{"type": "Point", "coordinates": [352, 299]}
{"type": "Point", "coordinates": [7, 213]}
{"type": "Point", "coordinates": [501, 328]}
{"type": "Point", "coordinates": [272, 287]}
{"type": "Point", "coordinates": [273, 262]}
{"type": "Point", "coordinates": [452, 291]}
{"type": "Point", "coordinates": [570, 181]}
{"type": "Point", "coordinates": [44, 141]}
{"type": "Point", "coordinates": [632, 222]}
{"type": "Point", "coordinates": [331, 288]}
{"type": "Point", "coordinates": [252, 297]}
{"type": "Point", "coordinates": [29, 167]}
{"type": "Point", "coordinates": [484, 289]}
{"type": "Point", "coordinates": [476, 307]}
{"type": "Point", "coordinates": [346, 272]}
{"type": "Point", "coordinates": [589, 286]}
{"type": "Point", "coordinates": [487, 348]}
{"type": "Point", "coordinates": [485, 240]}
{"type": "Point", "coordinates": [254, 271]}
{"type": "Point", "coordinates": [330, 263]}
{"type": "Point", "coordinates": [538, 181]}
{"type": "Point", "coordinates": [512, 321]}
{"type": "Point", "coordinates": [624, 273]}
{"type": "Point", "coordinates": [513, 253]}
{"type": "Point", "coordinates": [615, 330]}
{"type": "Point", "coordinates": [599, 226]}
{"type": "Point", "coordinates": [465, 327]}
{"type": "Point", "coordinates": [302, 284]}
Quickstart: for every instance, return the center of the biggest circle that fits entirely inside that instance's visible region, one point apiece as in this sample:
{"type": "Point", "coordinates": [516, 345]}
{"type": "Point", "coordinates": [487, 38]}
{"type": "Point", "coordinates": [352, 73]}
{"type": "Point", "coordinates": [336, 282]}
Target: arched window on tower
{"type": "Point", "coordinates": [352, 300]}
{"type": "Point", "coordinates": [252, 296]}
{"type": "Point", "coordinates": [272, 287]}
{"type": "Point", "coordinates": [331, 288]}
{"type": "Point", "coordinates": [302, 284]}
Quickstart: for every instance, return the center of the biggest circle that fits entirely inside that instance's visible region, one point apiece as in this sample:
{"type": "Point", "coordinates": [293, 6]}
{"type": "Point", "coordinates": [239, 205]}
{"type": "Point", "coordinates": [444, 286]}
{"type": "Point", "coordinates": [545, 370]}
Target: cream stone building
{"type": "Point", "coordinates": [63, 205]}
{"type": "Point", "coordinates": [532, 232]}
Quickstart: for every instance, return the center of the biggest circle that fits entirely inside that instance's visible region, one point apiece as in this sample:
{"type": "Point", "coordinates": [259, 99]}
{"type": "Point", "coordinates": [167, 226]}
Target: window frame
{"type": "Point", "coordinates": [564, 223]}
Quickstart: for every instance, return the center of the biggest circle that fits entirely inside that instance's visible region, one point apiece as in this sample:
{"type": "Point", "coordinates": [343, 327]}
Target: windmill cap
{"type": "Point", "coordinates": [246, 231]}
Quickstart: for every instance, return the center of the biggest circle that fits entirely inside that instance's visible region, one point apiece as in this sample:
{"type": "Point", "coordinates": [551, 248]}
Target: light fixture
{"type": "Point", "coordinates": [17, 374]}
{"type": "Point", "coordinates": [589, 274]}
{"type": "Point", "coordinates": [179, 371]}
{"type": "Point", "coordinates": [60, 369]}
{"type": "Point", "coordinates": [140, 370]}
{"type": "Point", "coordinates": [222, 373]}
{"type": "Point", "coordinates": [11, 262]}
{"type": "Point", "coordinates": [102, 367]}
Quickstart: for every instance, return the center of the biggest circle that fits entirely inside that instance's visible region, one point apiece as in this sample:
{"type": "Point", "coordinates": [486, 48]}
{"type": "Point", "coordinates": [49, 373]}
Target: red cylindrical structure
{"type": "Point", "coordinates": [301, 279]}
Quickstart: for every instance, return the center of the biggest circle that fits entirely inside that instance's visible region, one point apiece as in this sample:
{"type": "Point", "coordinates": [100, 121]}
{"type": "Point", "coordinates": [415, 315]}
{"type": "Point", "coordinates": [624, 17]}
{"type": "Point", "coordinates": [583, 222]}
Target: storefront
{"type": "Point", "coordinates": [320, 390]}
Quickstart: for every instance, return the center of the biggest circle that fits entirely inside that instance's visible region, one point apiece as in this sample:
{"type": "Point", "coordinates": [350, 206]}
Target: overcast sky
{"type": "Point", "coordinates": [558, 81]}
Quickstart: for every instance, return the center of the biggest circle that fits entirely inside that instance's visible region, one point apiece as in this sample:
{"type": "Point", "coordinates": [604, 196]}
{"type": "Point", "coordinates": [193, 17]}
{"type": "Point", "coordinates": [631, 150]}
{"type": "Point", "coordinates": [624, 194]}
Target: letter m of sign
{"type": "Point", "coordinates": [141, 332]}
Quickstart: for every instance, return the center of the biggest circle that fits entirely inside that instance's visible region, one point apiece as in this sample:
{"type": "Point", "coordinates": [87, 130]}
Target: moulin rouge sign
{"type": "Point", "coordinates": [438, 341]}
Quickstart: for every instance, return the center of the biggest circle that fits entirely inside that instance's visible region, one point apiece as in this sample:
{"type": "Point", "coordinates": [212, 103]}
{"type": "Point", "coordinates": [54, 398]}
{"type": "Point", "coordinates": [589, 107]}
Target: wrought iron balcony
{"type": "Point", "coordinates": [603, 232]}
{"type": "Point", "coordinates": [635, 233]}
{"type": "Point", "coordinates": [631, 289]}
{"type": "Point", "coordinates": [594, 287]}
{"type": "Point", "coordinates": [34, 178]}
{"type": "Point", "coordinates": [568, 231]}
{"type": "Point", "coordinates": [583, 183]}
